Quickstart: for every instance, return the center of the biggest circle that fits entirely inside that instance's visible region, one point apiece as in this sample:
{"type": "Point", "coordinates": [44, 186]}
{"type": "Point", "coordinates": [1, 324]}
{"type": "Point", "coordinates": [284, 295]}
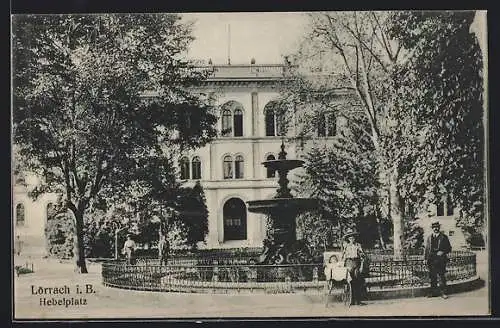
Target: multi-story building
{"type": "Point", "coordinates": [229, 168]}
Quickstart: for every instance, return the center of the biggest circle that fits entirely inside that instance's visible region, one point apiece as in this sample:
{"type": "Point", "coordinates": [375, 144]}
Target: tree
{"type": "Point", "coordinates": [441, 90]}
{"type": "Point", "coordinates": [375, 52]}
{"type": "Point", "coordinates": [343, 178]}
{"type": "Point", "coordinates": [97, 101]}
{"type": "Point", "coordinates": [194, 214]}
{"type": "Point", "coordinates": [357, 48]}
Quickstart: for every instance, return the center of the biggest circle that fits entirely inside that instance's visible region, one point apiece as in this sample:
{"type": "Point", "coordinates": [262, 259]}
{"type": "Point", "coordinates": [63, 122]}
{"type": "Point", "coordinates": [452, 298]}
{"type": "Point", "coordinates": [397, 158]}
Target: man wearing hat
{"type": "Point", "coordinates": [437, 248]}
{"type": "Point", "coordinates": [129, 249]}
{"type": "Point", "coordinates": [351, 256]}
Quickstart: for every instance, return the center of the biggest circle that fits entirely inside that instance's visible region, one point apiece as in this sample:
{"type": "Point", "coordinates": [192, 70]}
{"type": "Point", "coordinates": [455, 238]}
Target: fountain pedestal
{"type": "Point", "coordinates": [281, 212]}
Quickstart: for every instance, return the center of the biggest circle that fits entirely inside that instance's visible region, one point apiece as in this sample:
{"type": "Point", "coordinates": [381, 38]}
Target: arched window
{"type": "Point", "coordinates": [235, 219]}
{"type": "Point", "coordinates": [270, 173]}
{"type": "Point", "coordinates": [227, 128]}
{"type": "Point", "coordinates": [196, 168]}
{"type": "Point", "coordinates": [238, 167]}
{"type": "Point", "coordinates": [270, 126]}
{"type": "Point", "coordinates": [232, 119]}
{"type": "Point", "coordinates": [227, 167]}
{"type": "Point", "coordinates": [327, 125]}
{"type": "Point", "coordinates": [184, 164]}
{"type": "Point", "coordinates": [20, 214]}
{"type": "Point", "coordinates": [331, 123]}
{"type": "Point", "coordinates": [238, 123]}
{"type": "Point", "coordinates": [50, 211]}
{"type": "Point", "coordinates": [274, 121]}
{"type": "Point", "coordinates": [440, 207]}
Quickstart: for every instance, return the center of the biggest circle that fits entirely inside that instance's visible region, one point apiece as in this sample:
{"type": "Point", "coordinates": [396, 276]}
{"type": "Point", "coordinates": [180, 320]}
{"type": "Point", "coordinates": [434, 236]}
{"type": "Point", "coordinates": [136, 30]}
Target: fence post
{"type": "Point", "coordinates": [215, 276]}
{"type": "Point", "coordinates": [288, 283]}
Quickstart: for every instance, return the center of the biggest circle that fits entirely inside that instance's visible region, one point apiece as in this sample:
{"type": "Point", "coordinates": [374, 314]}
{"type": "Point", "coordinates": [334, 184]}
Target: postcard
{"type": "Point", "coordinates": [250, 165]}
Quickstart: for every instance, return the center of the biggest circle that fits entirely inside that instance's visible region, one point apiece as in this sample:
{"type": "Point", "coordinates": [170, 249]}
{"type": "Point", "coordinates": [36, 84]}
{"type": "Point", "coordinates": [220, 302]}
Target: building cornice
{"type": "Point", "coordinates": [247, 183]}
{"type": "Point", "coordinates": [240, 83]}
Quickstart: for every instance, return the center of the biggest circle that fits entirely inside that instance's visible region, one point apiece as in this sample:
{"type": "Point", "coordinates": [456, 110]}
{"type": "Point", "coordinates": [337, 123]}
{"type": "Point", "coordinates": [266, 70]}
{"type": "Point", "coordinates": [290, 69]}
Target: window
{"type": "Point", "coordinates": [322, 126]}
{"type": "Point", "coordinates": [275, 125]}
{"type": "Point", "coordinates": [184, 163]}
{"type": "Point", "coordinates": [408, 207]}
{"type": "Point", "coordinates": [270, 128]}
{"type": "Point", "coordinates": [226, 123]}
{"type": "Point", "coordinates": [238, 123]}
{"type": "Point", "coordinates": [449, 206]}
{"type": "Point", "coordinates": [20, 214]}
{"type": "Point", "coordinates": [196, 168]}
{"type": "Point", "coordinates": [238, 166]}
{"type": "Point", "coordinates": [227, 167]}
{"type": "Point", "coordinates": [232, 119]}
{"type": "Point", "coordinates": [331, 124]}
{"type": "Point", "coordinates": [327, 125]}
{"type": "Point", "coordinates": [235, 219]}
{"type": "Point", "coordinates": [270, 172]}
{"type": "Point", "coordinates": [440, 208]}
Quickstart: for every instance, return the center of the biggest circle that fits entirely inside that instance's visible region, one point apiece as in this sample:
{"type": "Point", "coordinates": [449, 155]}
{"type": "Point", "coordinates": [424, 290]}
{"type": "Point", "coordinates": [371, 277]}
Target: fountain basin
{"type": "Point", "coordinates": [283, 164]}
{"type": "Point", "coordinates": [276, 205]}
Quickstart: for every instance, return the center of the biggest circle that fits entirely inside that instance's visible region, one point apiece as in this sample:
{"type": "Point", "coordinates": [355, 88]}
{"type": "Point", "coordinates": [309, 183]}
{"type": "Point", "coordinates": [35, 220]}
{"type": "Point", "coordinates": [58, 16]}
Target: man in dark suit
{"type": "Point", "coordinates": [437, 248]}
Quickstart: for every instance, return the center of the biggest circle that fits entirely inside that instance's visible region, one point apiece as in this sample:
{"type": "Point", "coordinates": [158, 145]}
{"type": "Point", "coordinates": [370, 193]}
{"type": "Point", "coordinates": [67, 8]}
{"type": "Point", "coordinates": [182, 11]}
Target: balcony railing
{"type": "Point", "coordinates": [242, 72]}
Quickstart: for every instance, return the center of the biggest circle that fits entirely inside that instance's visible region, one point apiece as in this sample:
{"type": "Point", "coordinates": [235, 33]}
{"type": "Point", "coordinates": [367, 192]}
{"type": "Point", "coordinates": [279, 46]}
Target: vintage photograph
{"type": "Point", "coordinates": [250, 165]}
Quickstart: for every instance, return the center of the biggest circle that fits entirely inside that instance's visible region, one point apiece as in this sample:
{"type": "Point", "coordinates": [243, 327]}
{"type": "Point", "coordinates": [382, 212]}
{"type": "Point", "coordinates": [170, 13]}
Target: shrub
{"type": "Point", "coordinates": [60, 234]}
{"type": "Point", "coordinates": [413, 235]}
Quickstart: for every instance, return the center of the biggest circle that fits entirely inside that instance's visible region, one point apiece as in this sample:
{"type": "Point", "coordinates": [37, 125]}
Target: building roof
{"type": "Point", "coordinates": [264, 74]}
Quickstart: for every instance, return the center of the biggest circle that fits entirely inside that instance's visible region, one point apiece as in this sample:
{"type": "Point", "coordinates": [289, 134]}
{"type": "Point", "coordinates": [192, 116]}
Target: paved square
{"type": "Point", "coordinates": [106, 302]}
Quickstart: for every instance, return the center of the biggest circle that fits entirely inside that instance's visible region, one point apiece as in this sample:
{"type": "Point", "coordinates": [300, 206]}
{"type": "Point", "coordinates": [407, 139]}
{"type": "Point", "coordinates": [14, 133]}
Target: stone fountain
{"type": "Point", "coordinates": [280, 245]}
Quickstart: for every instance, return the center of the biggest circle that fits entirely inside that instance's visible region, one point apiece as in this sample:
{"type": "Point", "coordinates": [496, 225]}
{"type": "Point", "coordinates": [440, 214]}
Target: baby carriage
{"type": "Point", "coordinates": [337, 275]}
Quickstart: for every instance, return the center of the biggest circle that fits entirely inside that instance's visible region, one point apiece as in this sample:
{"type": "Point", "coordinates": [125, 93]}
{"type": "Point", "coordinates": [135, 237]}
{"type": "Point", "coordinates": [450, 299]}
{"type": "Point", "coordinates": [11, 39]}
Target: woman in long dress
{"type": "Point", "coordinates": [352, 256]}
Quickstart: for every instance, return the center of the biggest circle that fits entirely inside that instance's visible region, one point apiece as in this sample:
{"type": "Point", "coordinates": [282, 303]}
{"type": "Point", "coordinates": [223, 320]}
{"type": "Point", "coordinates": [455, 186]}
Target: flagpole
{"type": "Point", "coordinates": [229, 44]}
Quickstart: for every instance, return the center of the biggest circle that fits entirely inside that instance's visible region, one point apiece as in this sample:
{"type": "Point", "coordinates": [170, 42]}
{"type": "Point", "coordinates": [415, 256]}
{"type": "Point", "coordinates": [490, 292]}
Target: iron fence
{"type": "Point", "coordinates": [225, 274]}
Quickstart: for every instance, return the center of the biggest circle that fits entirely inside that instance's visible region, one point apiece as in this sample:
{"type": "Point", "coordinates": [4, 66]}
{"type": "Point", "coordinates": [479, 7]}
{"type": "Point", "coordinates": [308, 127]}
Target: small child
{"type": "Point", "coordinates": [332, 269]}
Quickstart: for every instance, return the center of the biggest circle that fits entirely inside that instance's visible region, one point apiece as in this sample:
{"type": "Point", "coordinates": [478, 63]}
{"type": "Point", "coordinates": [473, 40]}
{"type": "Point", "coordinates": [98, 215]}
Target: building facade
{"type": "Point", "coordinates": [30, 219]}
{"type": "Point", "coordinates": [446, 214]}
{"type": "Point", "coordinates": [230, 168]}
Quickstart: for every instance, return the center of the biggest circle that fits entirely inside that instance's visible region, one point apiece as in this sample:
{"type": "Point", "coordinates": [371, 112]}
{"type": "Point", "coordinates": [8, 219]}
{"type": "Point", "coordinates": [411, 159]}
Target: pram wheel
{"type": "Point", "coordinates": [347, 294]}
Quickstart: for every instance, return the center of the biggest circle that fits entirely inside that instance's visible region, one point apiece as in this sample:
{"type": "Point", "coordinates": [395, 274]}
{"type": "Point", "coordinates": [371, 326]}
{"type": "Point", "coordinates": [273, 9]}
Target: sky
{"type": "Point", "coordinates": [263, 36]}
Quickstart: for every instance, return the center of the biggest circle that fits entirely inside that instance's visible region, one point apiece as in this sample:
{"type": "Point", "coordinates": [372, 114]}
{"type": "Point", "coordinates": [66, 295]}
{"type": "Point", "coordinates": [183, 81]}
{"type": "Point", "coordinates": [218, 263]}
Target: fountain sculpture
{"type": "Point", "coordinates": [280, 245]}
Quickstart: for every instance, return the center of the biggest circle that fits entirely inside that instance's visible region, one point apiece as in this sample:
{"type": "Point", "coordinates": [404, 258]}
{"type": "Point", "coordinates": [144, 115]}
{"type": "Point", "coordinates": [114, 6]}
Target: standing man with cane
{"type": "Point", "coordinates": [436, 253]}
{"type": "Point", "coordinates": [163, 249]}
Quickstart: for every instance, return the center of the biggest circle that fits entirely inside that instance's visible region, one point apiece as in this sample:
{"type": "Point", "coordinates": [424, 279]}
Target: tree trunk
{"type": "Point", "coordinates": [382, 209]}
{"type": "Point", "coordinates": [379, 229]}
{"type": "Point", "coordinates": [79, 250]}
{"type": "Point", "coordinates": [396, 213]}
